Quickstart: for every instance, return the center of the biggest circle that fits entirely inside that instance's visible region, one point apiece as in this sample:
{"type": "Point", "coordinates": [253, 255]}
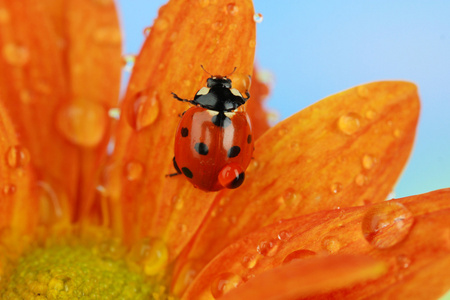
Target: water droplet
{"type": "Point", "coordinates": [4, 16]}
{"type": "Point", "coordinates": [128, 62]}
{"type": "Point", "coordinates": [114, 113]}
{"type": "Point", "coordinates": [187, 83]}
{"type": "Point", "coordinates": [233, 26]}
{"type": "Point", "coordinates": [16, 55]}
{"type": "Point", "coordinates": [370, 114]}
{"type": "Point", "coordinates": [145, 110]}
{"type": "Point", "coordinates": [108, 35]}
{"type": "Point", "coordinates": [232, 9]}
{"type": "Point", "coordinates": [336, 187]}
{"type": "Point", "coordinates": [391, 196]}
{"type": "Point", "coordinates": [186, 276]}
{"type": "Point", "coordinates": [253, 166]}
{"type": "Point", "coordinates": [291, 198]}
{"type": "Point", "coordinates": [43, 87]}
{"type": "Point", "coordinates": [110, 248]}
{"type": "Point", "coordinates": [242, 82]}
{"type": "Point", "coordinates": [362, 91]}
{"type": "Point", "coordinates": [349, 123]}
{"type": "Point", "coordinates": [161, 24]}
{"type": "Point", "coordinates": [218, 26]}
{"type": "Point", "coordinates": [82, 122]}
{"type": "Point", "coordinates": [360, 179]}
{"type": "Point", "coordinates": [172, 38]}
{"type": "Point", "coordinates": [331, 244]}
{"type": "Point", "coordinates": [224, 200]}
{"type": "Point", "coordinates": [252, 43]}
{"type": "Point", "coordinates": [249, 261]}
{"type": "Point", "coordinates": [397, 133]}
{"type": "Point", "coordinates": [258, 18]}
{"type": "Point", "coordinates": [224, 283]}
{"type": "Point", "coordinates": [367, 162]}
{"type": "Point", "coordinates": [147, 31]}
{"type": "Point", "coordinates": [268, 248]}
{"type": "Point", "coordinates": [273, 117]}
{"type": "Point", "coordinates": [134, 170]}
{"type": "Point", "coordinates": [386, 224]}
{"type": "Point", "coordinates": [284, 235]}
{"type": "Point", "coordinates": [50, 209]}
{"type": "Point", "coordinates": [282, 132]}
{"type": "Point", "coordinates": [179, 203]}
{"type": "Point", "coordinates": [403, 261]}
{"type": "Point", "coordinates": [17, 156]}
{"type": "Point", "coordinates": [294, 146]}
{"type": "Point", "coordinates": [151, 254]}
{"type": "Point", "coordinates": [182, 228]}
{"type": "Point", "coordinates": [299, 254]}
{"type": "Point", "coordinates": [9, 189]}
{"type": "Point", "coordinates": [233, 219]}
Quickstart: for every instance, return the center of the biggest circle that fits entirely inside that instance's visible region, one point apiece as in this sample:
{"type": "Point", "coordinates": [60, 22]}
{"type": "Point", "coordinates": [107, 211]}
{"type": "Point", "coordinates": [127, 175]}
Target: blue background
{"type": "Point", "coordinates": [317, 48]}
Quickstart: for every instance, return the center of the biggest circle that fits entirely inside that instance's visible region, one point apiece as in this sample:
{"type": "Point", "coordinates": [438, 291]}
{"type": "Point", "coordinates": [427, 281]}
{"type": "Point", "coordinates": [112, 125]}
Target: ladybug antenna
{"type": "Point", "coordinates": [231, 72]}
{"type": "Point", "coordinates": [206, 71]}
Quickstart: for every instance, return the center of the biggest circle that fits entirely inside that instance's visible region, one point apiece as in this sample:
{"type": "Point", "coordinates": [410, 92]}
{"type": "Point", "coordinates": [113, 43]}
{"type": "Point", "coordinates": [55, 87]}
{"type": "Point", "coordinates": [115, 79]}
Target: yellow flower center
{"type": "Point", "coordinates": [74, 272]}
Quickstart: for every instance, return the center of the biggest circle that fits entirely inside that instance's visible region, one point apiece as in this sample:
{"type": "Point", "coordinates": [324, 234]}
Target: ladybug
{"type": "Point", "coordinates": [213, 142]}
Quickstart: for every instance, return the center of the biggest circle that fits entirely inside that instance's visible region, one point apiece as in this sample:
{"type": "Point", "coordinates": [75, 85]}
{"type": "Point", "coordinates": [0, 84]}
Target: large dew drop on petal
{"type": "Point", "coordinates": [17, 156]}
{"type": "Point", "coordinates": [387, 224]}
{"type": "Point", "coordinates": [349, 123]}
{"type": "Point", "coordinates": [82, 123]}
{"type": "Point", "coordinates": [224, 283]}
{"type": "Point", "coordinates": [16, 55]}
{"type": "Point", "coordinates": [144, 110]}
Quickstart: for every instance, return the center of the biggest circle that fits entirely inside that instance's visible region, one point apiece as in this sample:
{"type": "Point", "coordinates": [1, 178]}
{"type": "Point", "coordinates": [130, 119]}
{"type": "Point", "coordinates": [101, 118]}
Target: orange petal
{"type": "Point", "coordinates": [258, 115]}
{"type": "Point", "coordinates": [152, 204]}
{"type": "Point", "coordinates": [60, 72]}
{"type": "Point", "coordinates": [32, 84]}
{"type": "Point", "coordinates": [345, 150]}
{"type": "Point", "coordinates": [92, 31]}
{"type": "Point", "coordinates": [94, 60]}
{"type": "Point", "coordinates": [301, 279]}
{"type": "Point", "coordinates": [408, 234]}
{"type": "Point", "coordinates": [429, 282]}
{"type": "Point", "coordinates": [18, 205]}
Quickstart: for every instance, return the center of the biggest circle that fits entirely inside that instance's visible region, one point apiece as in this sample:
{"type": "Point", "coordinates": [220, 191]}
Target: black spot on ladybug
{"type": "Point", "coordinates": [234, 151]}
{"type": "Point", "coordinates": [249, 139]}
{"type": "Point", "coordinates": [201, 148]}
{"type": "Point", "coordinates": [221, 120]}
{"type": "Point", "coordinates": [184, 132]}
{"type": "Point", "coordinates": [187, 172]}
{"type": "Point", "coordinates": [237, 181]}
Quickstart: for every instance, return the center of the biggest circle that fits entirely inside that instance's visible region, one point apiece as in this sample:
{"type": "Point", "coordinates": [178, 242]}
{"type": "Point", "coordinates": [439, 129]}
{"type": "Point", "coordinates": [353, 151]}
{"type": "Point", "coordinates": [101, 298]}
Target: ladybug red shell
{"type": "Point", "coordinates": [214, 143]}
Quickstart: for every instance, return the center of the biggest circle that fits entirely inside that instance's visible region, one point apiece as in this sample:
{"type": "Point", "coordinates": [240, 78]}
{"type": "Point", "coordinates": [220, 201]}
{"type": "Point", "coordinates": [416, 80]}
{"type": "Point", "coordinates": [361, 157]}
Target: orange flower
{"type": "Point", "coordinates": [309, 221]}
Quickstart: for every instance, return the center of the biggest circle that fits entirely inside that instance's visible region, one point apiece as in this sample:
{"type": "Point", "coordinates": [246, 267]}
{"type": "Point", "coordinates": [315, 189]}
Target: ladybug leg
{"type": "Point", "coordinates": [176, 168]}
{"type": "Point", "coordinates": [248, 96]}
{"type": "Point", "coordinates": [183, 100]}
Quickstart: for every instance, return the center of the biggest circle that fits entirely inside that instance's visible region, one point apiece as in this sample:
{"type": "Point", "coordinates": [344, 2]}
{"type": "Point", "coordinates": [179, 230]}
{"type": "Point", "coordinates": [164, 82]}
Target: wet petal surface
{"type": "Point", "coordinates": [18, 205]}
{"type": "Point", "coordinates": [417, 247]}
{"type": "Point", "coordinates": [60, 68]}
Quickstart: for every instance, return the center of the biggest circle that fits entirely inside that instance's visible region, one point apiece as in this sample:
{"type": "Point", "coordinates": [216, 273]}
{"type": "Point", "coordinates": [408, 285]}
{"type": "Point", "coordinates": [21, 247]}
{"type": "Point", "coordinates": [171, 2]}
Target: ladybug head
{"type": "Point", "coordinates": [218, 81]}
